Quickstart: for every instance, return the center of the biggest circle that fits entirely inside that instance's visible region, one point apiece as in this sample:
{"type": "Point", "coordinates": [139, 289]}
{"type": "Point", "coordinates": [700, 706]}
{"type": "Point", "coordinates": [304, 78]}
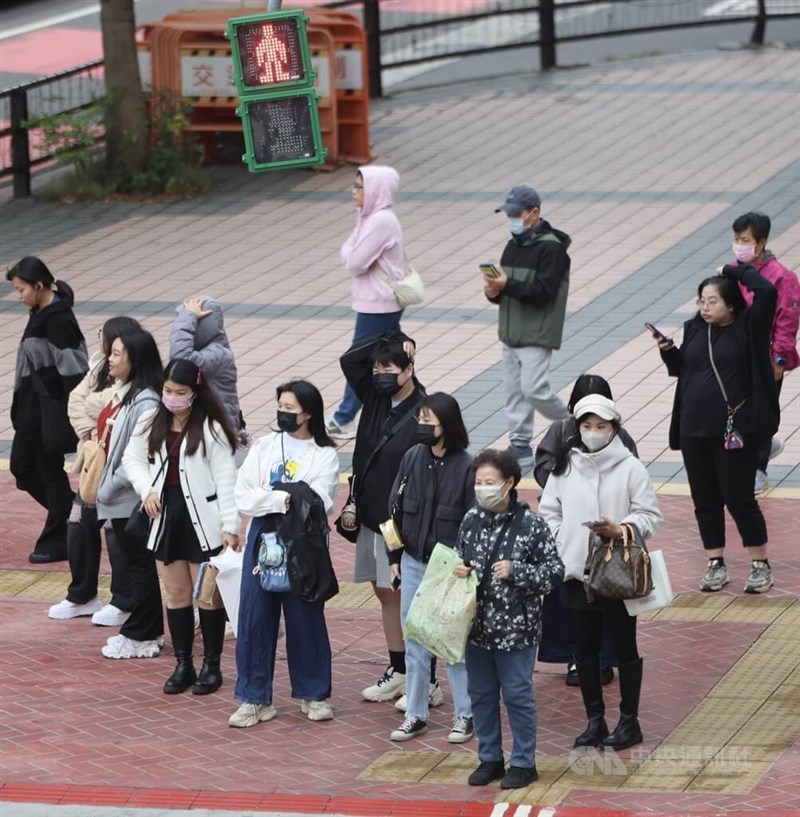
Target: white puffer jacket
{"type": "Point", "coordinates": [610, 482]}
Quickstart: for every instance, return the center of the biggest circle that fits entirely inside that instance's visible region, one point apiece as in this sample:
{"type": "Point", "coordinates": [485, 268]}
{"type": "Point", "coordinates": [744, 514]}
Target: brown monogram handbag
{"type": "Point", "coordinates": [619, 568]}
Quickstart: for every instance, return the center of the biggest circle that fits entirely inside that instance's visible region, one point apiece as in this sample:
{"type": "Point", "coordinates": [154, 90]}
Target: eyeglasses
{"type": "Point", "coordinates": [712, 302]}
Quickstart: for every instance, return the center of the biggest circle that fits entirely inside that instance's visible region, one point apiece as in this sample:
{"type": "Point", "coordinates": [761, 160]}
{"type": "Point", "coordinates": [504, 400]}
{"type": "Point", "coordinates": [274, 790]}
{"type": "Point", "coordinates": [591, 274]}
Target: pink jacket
{"type": "Point", "coordinates": [787, 311]}
{"type": "Point", "coordinates": [375, 247]}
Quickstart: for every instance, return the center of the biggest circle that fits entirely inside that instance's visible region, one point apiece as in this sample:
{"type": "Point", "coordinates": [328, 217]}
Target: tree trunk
{"type": "Point", "coordinates": [126, 138]}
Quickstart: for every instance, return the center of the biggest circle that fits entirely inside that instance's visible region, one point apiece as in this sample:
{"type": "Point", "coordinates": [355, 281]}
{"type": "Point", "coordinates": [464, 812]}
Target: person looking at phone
{"type": "Point", "coordinates": [531, 292]}
{"type": "Point", "coordinates": [725, 402]}
{"type": "Point", "coordinates": [750, 235]}
{"type": "Point", "coordinates": [597, 487]}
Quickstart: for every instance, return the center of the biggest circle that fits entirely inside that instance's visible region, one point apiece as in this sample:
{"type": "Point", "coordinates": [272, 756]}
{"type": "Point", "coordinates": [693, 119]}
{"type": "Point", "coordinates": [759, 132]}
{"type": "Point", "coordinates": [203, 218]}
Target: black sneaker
{"type": "Point", "coordinates": [486, 773]}
{"type": "Point", "coordinates": [409, 728]}
{"type": "Point", "coordinates": [518, 777]}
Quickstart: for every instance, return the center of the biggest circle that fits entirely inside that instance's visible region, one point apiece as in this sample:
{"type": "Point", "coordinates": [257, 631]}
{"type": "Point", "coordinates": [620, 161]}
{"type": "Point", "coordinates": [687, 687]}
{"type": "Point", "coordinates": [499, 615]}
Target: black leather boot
{"type": "Point", "coordinates": [181, 631]}
{"type": "Point", "coordinates": [628, 732]}
{"type": "Point", "coordinates": [591, 683]}
{"type": "Point", "coordinates": [212, 626]}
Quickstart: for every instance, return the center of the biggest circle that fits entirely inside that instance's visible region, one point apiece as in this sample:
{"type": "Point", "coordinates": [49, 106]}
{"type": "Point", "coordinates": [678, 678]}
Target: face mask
{"type": "Point", "coordinates": [287, 421]}
{"type": "Point", "coordinates": [595, 440]}
{"type": "Point", "coordinates": [490, 497]}
{"type": "Point", "coordinates": [516, 226]}
{"type": "Point", "coordinates": [177, 403]}
{"type": "Point", "coordinates": [386, 383]}
{"type": "Point", "coordinates": [426, 434]}
{"type": "Point", "coordinates": [744, 252]}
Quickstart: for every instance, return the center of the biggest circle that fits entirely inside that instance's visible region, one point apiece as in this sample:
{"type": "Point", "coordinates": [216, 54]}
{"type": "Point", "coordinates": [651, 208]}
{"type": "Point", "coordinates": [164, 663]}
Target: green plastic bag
{"type": "Point", "coordinates": [443, 608]}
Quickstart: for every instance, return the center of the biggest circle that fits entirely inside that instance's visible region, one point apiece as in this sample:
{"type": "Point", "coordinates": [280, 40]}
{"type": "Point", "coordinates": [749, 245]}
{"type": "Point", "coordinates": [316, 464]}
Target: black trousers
{"type": "Point", "coordinates": [720, 479]}
{"type": "Point", "coordinates": [146, 622]}
{"type": "Point", "coordinates": [591, 618]}
{"type": "Point", "coordinates": [766, 446]}
{"type": "Point", "coordinates": [121, 596]}
{"type": "Point", "coordinates": [42, 476]}
{"type": "Point", "coordinates": [83, 552]}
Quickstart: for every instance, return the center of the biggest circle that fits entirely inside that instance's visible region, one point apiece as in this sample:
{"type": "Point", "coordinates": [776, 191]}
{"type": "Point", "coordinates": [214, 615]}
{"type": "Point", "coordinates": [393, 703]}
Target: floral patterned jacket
{"type": "Point", "coordinates": [509, 610]}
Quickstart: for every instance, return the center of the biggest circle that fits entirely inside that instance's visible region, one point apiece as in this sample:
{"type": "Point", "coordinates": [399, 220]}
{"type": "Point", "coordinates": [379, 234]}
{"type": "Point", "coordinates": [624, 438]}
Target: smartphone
{"type": "Point", "coordinates": [659, 335]}
{"type": "Point", "coordinates": [489, 270]}
{"type": "Point", "coordinates": [593, 524]}
{"type": "Point", "coordinates": [396, 583]}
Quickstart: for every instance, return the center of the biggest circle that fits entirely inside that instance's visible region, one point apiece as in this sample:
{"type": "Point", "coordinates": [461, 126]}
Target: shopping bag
{"type": "Point", "coordinates": [443, 608]}
{"type": "Point", "coordinates": [661, 595]}
{"type": "Point", "coordinates": [229, 580]}
{"type": "Point", "coordinates": [205, 588]}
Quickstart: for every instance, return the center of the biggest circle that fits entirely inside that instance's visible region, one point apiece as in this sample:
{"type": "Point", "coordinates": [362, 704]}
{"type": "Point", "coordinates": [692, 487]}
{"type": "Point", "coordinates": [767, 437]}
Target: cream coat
{"type": "Point", "coordinates": [84, 407]}
{"type": "Point", "coordinates": [207, 480]}
{"type": "Point", "coordinates": [610, 482]}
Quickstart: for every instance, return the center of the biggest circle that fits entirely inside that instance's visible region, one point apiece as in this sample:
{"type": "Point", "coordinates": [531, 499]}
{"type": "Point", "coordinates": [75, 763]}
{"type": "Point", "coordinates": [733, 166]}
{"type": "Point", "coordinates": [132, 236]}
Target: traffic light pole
{"type": "Point", "coordinates": [273, 5]}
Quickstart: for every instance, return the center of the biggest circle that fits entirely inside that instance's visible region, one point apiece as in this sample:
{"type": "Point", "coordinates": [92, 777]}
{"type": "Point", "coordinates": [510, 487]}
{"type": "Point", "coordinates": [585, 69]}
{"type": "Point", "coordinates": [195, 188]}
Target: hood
{"type": "Point", "coordinates": [210, 329]}
{"type": "Point", "coordinates": [38, 317]}
{"type": "Point", "coordinates": [380, 185]}
{"type": "Point", "coordinates": [543, 228]}
{"type": "Point", "coordinates": [600, 461]}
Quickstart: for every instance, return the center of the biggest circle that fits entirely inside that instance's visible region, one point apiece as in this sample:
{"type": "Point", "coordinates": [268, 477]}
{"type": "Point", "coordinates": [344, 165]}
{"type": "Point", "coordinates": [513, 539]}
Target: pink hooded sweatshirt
{"type": "Point", "coordinates": [375, 247]}
{"type": "Point", "coordinates": [787, 311]}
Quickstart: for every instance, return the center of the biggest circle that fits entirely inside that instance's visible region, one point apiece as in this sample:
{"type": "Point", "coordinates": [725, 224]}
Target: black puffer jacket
{"type": "Point", "coordinates": [437, 493]}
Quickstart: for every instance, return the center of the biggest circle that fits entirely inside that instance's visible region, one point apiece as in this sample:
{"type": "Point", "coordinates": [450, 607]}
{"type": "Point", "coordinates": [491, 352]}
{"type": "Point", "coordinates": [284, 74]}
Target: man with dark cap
{"type": "Point", "coordinates": [531, 292]}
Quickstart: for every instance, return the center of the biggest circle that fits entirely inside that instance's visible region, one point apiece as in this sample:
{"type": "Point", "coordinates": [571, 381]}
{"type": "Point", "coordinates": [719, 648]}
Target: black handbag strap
{"type": "Point", "coordinates": [166, 459]}
{"type": "Point", "coordinates": [495, 554]}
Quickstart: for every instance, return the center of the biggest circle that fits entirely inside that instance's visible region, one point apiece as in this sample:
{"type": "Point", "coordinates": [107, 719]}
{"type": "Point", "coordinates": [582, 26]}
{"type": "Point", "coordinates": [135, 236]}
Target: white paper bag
{"type": "Point", "coordinates": [661, 596]}
{"type": "Point", "coordinates": [229, 582]}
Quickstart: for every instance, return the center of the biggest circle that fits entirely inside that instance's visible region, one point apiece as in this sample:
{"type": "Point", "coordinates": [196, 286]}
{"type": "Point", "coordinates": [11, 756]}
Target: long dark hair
{"type": "Point", "coordinates": [310, 400]}
{"type": "Point", "coordinates": [111, 330]}
{"type": "Point", "coordinates": [33, 270]}
{"type": "Point", "coordinates": [447, 410]}
{"type": "Point", "coordinates": [205, 407]}
{"type": "Point", "coordinates": [729, 291]}
{"type": "Point", "coordinates": [146, 366]}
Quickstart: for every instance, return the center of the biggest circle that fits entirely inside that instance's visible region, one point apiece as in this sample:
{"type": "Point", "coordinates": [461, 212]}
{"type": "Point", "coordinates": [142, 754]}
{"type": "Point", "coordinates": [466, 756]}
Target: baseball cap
{"type": "Point", "coordinates": [599, 405]}
{"type": "Point", "coordinates": [518, 199]}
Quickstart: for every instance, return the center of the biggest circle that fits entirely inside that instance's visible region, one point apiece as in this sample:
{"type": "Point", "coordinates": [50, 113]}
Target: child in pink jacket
{"type": "Point", "coordinates": [373, 253]}
{"type": "Point", "coordinates": [751, 232]}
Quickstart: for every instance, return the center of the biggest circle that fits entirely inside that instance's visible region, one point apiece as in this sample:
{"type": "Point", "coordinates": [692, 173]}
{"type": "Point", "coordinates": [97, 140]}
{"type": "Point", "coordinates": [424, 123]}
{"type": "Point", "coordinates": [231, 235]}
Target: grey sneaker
{"type": "Point", "coordinates": [341, 431]}
{"type": "Point", "coordinates": [409, 728]}
{"type": "Point", "coordinates": [761, 483]}
{"type": "Point", "coordinates": [715, 578]}
{"type": "Point", "coordinates": [760, 578]}
{"type": "Point", "coordinates": [523, 454]}
{"type": "Point", "coordinates": [775, 448]}
{"type": "Point", "coordinates": [462, 731]}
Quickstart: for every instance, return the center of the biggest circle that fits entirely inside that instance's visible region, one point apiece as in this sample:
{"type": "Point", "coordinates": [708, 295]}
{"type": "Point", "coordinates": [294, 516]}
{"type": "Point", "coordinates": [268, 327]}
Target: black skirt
{"type": "Point", "coordinates": [573, 596]}
{"type": "Point", "coordinates": [179, 541]}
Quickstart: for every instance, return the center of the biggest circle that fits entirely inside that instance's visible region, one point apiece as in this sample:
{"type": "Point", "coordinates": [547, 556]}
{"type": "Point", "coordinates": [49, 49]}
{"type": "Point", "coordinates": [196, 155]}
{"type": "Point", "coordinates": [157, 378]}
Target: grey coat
{"type": "Point", "coordinates": [116, 497]}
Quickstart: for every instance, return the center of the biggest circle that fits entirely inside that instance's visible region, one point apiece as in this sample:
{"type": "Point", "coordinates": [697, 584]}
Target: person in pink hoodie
{"type": "Point", "coordinates": [373, 252]}
{"type": "Point", "coordinates": [750, 234]}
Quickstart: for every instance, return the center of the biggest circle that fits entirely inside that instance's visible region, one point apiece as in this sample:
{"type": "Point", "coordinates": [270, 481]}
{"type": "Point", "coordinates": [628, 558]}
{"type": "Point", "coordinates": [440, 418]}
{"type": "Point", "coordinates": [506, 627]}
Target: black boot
{"type": "Point", "coordinates": [628, 732]}
{"type": "Point", "coordinates": [591, 685]}
{"type": "Point", "coordinates": [212, 626]}
{"type": "Point", "coordinates": [181, 631]}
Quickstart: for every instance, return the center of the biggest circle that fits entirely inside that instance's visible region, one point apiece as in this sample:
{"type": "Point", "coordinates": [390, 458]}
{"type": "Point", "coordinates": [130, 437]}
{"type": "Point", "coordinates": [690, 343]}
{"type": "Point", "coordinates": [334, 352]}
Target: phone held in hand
{"type": "Point", "coordinates": [396, 583]}
{"type": "Point", "coordinates": [593, 524]}
{"type": "Point", "coordinates": [656, 333]}
{"type": "Point", "coordinates": [489, 270]}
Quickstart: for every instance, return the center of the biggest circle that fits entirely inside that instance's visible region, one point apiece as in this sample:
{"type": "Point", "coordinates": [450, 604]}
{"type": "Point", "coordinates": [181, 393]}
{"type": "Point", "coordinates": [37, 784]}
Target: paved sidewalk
{"type": "Point", "coordinates": [641, 163]}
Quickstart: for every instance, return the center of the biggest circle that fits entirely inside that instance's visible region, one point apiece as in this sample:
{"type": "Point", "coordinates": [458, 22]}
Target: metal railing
{"type": "Point", "coordinates": [407, 32]}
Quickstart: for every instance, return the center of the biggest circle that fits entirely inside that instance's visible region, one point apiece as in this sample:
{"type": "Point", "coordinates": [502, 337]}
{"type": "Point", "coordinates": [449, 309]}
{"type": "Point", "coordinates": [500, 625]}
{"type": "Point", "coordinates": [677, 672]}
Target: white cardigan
{"type": "Point", "coordinates": [207, 481]}
{"type": "Point", "coordinates": [254, 495]}
{"type": "Point", "coordinates": [610, 482]}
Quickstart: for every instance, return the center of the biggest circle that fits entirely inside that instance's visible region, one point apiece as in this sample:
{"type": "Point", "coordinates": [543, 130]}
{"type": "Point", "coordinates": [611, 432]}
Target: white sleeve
{"type": "Point", "coordinates": [223, 468]}
{"type": "Point", "coordinates": [254, 494]}
{"type": "Point", "coordinates": [550, 505]}
{"type": "Point", "coordinates": [644, 510]}
{"type": "Point", "coordinates": [136, 458]}
{"type": "Point", "coordinates": [325, 482]}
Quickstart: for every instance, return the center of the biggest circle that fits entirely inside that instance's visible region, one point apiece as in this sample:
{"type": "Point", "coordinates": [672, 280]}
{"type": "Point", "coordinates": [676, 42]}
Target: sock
{"type": "Point", "coordinates": [717, 561]}
{"type": "Point", "coordinates": [433, 669]}
{"type": "Point", "coordinates": [397, 660]}
{"type": "Point", "coordinates": [760, 562]}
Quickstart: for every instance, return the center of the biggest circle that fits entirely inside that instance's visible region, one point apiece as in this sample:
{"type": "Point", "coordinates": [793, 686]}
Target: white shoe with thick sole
{"type": "Point", "coordinates": [110, 616]}
{"type": "Point", "coordinates": [251, 714]}
{"type": "Point", "coordinates": [68, 609]}
{"type": "Point", "coordinates": [317, 710]}
{"type": "Point", "coordinates": [124, 647]}
{"type": "Point", "coordinates": [389, 686]}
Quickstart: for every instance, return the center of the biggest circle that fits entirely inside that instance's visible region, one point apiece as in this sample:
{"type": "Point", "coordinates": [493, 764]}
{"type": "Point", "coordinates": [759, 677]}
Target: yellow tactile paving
{"type": "Point", "coordinates": [13, 582]}
{"type": "Point", "coordinates": [753, 609]}
{"type": "Point", "coordinates": [406, 767]}
{"type": "Point", "coordinates": [729, 777]}
{"type": "Point", "coordinates": [694, 607]}
{"type": "Point", "coordinates": [354, 595]}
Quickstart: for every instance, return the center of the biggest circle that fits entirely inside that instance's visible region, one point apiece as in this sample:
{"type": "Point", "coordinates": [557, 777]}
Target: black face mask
{"type": "Point", "coordinates": [426, 434]}
{"type": "Point", "coordinates": [386, 383]}
{"type": "Point", "coordinates": [287, 421]}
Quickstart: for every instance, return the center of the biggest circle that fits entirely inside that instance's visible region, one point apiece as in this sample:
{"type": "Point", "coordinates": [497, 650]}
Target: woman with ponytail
{"type": "Point", "coordinates": [52, 359]}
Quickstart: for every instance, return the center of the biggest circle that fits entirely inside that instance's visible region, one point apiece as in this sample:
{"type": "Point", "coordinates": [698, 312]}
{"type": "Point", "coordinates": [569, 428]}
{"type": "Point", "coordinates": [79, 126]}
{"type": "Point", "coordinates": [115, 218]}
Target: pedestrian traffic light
{"type": "Point", "coordinates": [277, 101]}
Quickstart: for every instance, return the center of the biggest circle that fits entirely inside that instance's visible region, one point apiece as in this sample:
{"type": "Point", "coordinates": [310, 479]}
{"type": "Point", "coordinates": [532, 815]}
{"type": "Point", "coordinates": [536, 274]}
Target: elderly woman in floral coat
{"type": "Point", "coordinates": [513, 552]}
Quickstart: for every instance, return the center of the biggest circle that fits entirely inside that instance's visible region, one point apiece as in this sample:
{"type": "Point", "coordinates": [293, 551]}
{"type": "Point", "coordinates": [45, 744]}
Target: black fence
{"type": "Point", "coordinates": [409, 32]}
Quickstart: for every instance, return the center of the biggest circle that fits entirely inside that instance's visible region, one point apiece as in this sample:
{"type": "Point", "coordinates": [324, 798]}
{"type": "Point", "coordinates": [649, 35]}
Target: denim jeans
{"type": "Point", "coordinates": [418, 659]}
{"type": "Point", "coordinates": [368, 325]}
{"type": "Point", "coordinates": [489, 672]}
{"type": "Point", "coordinates": [308, 650]}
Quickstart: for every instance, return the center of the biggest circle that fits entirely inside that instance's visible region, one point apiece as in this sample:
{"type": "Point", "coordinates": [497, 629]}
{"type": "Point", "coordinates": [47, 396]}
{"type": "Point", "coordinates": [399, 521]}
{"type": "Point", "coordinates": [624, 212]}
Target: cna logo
{"type": "Point", "coordinates": [589, 760]}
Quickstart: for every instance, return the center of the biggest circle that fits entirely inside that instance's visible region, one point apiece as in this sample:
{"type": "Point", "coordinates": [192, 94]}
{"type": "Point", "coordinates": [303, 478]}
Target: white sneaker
{"type": "Point", "coordinates": [761, 484]}
{"type": "Point", "coordinates": [110, 616]}
{"type": "Point", "coordinates": [68, 609]}
{"type": "Point", "coordinates": [341, 432]}
{"type": "Point", "coordinates": [776, 448]}
{"type": "Point", "coordinates": [462, 731]}
{"type": "Point", "coordinates": [435, 698]}
{"type": "Point", "coordinates": [317, 710]}
{"type": "Point", "coordinates": [229, 633]}
{"type": "Point", "coordinates": [117, 639]}
{"type": "Point", "coordinates": [252, 714]}
{"type": "Point", "coordinates": [389, 686]}
{"type": "Point", "coordinates": [125, 647]}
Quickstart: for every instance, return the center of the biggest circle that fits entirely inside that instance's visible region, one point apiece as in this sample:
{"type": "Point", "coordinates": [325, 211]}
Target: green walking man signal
{"type": "Point", "coordinates": [277, 101]}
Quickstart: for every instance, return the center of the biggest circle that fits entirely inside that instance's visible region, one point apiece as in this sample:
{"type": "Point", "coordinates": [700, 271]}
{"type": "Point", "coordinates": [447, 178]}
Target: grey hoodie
{"type": "Point", "coordinates": [204, 342]}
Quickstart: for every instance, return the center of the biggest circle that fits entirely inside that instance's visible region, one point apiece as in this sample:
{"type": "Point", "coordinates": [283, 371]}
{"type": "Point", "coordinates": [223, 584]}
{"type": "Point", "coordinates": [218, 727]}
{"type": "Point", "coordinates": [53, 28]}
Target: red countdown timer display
{"type": "Point", "coordinates": [271, 53]}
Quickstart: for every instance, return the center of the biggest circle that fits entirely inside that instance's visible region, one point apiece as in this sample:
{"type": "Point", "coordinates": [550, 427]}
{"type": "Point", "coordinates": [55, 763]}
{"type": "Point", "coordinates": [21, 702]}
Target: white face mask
{"type": "Point", "coordinates": [595, 440]}
{"type": "Point", "coordinates": [490, 497]}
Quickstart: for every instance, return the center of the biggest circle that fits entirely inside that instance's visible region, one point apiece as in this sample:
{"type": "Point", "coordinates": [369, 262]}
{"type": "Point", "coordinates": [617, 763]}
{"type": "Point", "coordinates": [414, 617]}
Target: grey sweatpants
{"type": "Point", "coordinates": [526, 379]}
